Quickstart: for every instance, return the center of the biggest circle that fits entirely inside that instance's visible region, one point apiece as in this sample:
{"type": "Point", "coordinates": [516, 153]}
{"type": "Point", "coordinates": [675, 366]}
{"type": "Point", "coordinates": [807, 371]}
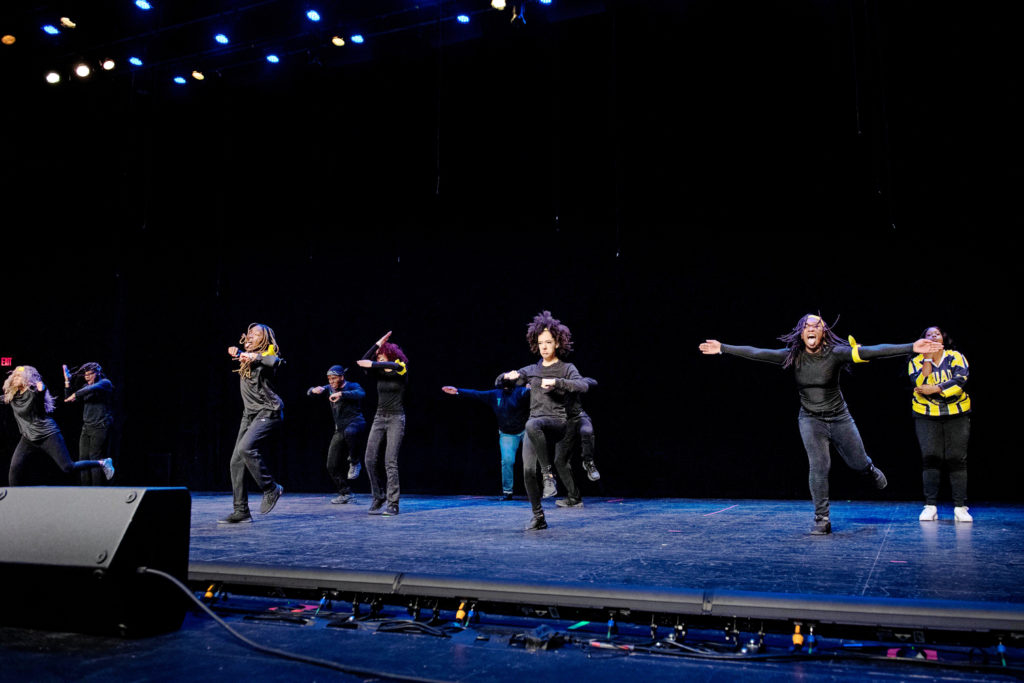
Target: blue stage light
{"type": "Point", "coordinates": [273, 59]}
{"type": "Point", "coordinates": [545, 2]}
{"type": "Point", "coordinates": [313, 15]}
{"type": "Point", "coordinates": [143, 4]}
{"type": "Point", "coordinates": [463, 18]}
{"type": "Point", "coordinates": [221, 38]}
{"type": "Point", "coordinates": [180, 80]}
{"type": "Point", "coordinates": [357, 38]}
{"type": "Point", "coordinates": [135, 61]}
{"type": "Point", "coordinates": [51, 29]}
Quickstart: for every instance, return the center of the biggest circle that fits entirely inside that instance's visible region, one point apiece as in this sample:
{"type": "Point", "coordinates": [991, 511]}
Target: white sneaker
{"type": "Point", "coordinates": [929, 514]}
{"type": "Point", "coordinates": [108, 468]}
{"type": "Point", "coordinates": [962, 515]}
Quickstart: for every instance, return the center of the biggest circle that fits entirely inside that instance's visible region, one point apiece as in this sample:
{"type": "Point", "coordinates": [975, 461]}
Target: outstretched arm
{"type": "Point", "coordinates": [712, 347]}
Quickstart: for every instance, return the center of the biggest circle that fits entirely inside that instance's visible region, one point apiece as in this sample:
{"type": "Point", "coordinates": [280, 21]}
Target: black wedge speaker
{"type": "Point", "coordinates": [69, 558]}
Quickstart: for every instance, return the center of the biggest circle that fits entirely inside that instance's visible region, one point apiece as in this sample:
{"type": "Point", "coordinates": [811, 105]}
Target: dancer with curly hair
{"type": "Point", "coordinates": [97, 396]}
{"type": "Point", "coordinates": [942, 422]}
{"type": "Point", "coordinates": [388, 429]}
{"type": "Point", "coordinates": [551, 381]}
{"type": "Point", "coordinates": [32, 403]}
{"type": "Point", "coordinates": [262, 415]}
{"type": "Point", "coordinates": [349, 426]}
{"type": "Point", "coordinates": [817, 356]}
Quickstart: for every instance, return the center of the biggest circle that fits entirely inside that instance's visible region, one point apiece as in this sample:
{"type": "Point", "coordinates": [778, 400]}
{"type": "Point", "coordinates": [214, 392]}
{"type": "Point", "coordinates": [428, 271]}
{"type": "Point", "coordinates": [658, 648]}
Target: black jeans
{"type": "Point", "coordinates": [344, 452]}
{"type": "Point", "coordinates": [943, 441]}
{"type": "Point", "coordinates": [388, 430]}
{"type": "Point", "coordinates": [93, 445]}
{"type": "Point", "coordinates": [253, 434]}
{"type": "Point", "coordinates": [541, 431]}
{"type": "Point", "coordinates": [54, 447]}
{"type": "Point", "coordinates": [817, 433]}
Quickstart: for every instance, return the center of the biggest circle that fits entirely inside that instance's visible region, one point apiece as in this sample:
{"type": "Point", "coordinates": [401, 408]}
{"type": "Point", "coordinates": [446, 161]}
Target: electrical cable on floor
{"type": "Point", "coordinates": [356, 671]}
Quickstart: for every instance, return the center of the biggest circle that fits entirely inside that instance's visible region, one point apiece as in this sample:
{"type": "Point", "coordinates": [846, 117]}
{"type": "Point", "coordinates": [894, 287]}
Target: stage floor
{"type": "Point", "coordinates": [877, 549]}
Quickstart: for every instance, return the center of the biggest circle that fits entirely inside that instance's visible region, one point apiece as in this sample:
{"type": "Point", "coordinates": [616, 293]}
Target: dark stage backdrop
{"type": "Point", "coordinates": [653, 173]}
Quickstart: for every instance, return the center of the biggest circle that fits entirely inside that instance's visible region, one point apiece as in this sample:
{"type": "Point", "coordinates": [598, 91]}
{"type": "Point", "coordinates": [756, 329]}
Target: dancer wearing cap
{"type": "Point", "coordinates": [97, 396]}
{"type": "Point", "coordinates": [343, 457]}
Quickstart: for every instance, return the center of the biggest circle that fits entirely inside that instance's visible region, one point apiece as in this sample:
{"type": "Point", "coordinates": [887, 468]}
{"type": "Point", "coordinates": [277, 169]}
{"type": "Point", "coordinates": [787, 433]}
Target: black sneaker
{"type": "Point", "coordinates": [822, 527]}
{"type": "Point", "coordinates": [354, 469]}
{"type": "Point", "coordinates": [550, 488]}
{"type": "Point", "coordinates": [591, 468]}
{"type": "Point", "coordinates": [569, 503]}
{"type": "Point", "coordinates": [342, 498]}
{"type": "Point", "coordinates": [270, 499]}
{"type": "Point", "coordinates": [876, 475]}
{"type": "Point", "coordinates": [391, 511]}
{"type": "Point", "coordinates": [108, 468]}
{"type": "Point", "coordinates": [537, 523]}
{"type": "Point", "coordinates": [237, 517]}
{"type": "Point", "coordinates": [375, 507]}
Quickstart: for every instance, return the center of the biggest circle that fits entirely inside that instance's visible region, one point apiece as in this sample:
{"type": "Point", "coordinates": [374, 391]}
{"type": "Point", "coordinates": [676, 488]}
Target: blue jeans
{"type": "Point", "coordinates": [389, 429]}
{"type": "Point", "coordinates": [817, 433]}
{"type": "Point", "coordinates": [509, 444]}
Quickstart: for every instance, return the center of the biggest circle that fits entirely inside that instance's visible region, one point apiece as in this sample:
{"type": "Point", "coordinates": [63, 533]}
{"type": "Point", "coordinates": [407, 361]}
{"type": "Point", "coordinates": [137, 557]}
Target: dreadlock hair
{"type": "Point", "coordinates": [794, 341]}
{"type": "Point", "coordinates": [545, 321]}
{"type": "Point", "coordinates": [392, 352]}
{"type": "Point", "coordinates": [20, 379]}
{"type": "Point", "coordinates": [244, 368]}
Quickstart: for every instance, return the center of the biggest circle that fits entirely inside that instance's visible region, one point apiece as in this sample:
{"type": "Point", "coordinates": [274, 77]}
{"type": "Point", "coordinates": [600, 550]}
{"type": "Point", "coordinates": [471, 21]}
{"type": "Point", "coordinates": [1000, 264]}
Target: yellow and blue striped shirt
{"type": "Point", "coordinates": [950, 373]}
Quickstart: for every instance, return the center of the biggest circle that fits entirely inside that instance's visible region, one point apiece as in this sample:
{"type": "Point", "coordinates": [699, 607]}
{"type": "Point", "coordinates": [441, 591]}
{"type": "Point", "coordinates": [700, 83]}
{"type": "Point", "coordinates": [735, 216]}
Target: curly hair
{"type": "Point", "coordinates": [21, 378]}
{"type": "Point", "coordinates": [544, 321]}
{"type": "Point", "coordinates": [269, 340]}
{"type": "Point", "coordinates": [795, 343]}
{"type": "Point", "coordinates": [392, 352]}
{"type": "Point", "coordinates": [88, 367]}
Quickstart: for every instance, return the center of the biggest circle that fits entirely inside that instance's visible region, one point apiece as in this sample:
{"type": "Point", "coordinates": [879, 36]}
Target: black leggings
{"type": "Point", "coordinates": [53, 446]}
{"type": "Point", "coordinates": [944, 442]}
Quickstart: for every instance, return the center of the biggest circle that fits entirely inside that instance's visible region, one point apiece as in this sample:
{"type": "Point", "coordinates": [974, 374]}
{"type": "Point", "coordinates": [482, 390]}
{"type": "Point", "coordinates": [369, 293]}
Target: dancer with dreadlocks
{"type": "Point", "coordinates": [817, 356]}
{"type": "Point", "coordinates": [349, 426]}
{"type": "Point", "coordinates": [32, 403]}
{"type": "Point", "coordinates": [388, 430]}
{"type": "Point", "coordinates": [551, 381]}
{"type": "Point", "coordinates": [262, 413]}
{"type": "Point", "coordinates": [97, 395]}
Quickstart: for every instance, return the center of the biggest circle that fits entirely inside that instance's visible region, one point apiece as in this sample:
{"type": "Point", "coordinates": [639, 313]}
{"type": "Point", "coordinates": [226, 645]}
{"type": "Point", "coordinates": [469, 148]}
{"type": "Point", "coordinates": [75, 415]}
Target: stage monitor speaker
{"type": "Point", "coordinates": [69, 558]}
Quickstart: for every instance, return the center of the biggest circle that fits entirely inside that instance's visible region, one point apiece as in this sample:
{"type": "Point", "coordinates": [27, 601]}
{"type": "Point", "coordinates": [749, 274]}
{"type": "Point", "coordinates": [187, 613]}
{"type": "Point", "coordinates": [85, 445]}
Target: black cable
{"type": "Point", "coordinates": [356, 671]}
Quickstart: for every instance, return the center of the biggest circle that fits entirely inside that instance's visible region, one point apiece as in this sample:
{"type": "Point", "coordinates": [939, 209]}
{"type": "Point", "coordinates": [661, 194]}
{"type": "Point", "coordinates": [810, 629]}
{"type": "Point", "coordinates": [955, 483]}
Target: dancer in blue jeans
{"type": "Point", "coordinates": [388, 429]}
{"type": "Point", "coordinates": [511, 405]}
{"type": "Point", "coordinates": [817, 356]}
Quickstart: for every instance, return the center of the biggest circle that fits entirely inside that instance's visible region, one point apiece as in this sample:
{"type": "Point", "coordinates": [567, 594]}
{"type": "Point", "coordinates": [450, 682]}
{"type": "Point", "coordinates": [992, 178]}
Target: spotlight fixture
{"type": "Point", "coordinates": [357, 38]}
{"type": "Point", "coordinates": [135, 61]}
{"type": "Point", "coordinates": [107, 64]}
{"type": "Point", "coordinates": [51, 29]}
{"type": "Point", "coordinates": [8, 39]}
{"type": "Point", "coordinates": [545, 2]}
{"type": "Point", "coordinates": [53, 78]}
{"type": "Point", "coordinates": [67, 23]}
{"type": "Point", "coordinates": [313, 15]}
{"type": "Point", "coordinates": [82, 70]}
{"type": "Point", "coordinates": [462, 18]}
{"type": "Point", "coordinates": [143, 4]}
{"type": "Point", "coordinates": [198, 75]}
{"type": "Point", "coordinates": [180, 80]}
{"type": "Point", "coordinates": [273, 59]}
{"type": "Point", "coordinates": [221, 38]}
{"type": "Point", "coordinates": [337, 41]}
{"type": "Point", "coordinates": [498, 4]}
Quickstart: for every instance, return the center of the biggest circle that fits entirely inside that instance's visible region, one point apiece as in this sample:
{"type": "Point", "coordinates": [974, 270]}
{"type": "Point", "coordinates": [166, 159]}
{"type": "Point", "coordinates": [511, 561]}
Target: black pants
{"type": "Point", "coordinates": [943, 441]}
{"type": "Point", "coordinates": [54, 447]}
{"type": "Point", "coordinates": [388, 430]}
{"type": "Point", "coordinates": [253, 434]}
{"type": "Point", "coordinates": [93, 444]}
{"type": "Point", "coordinates": [541, 431]}
{"type": "Point", "coordinates": [344, 452]}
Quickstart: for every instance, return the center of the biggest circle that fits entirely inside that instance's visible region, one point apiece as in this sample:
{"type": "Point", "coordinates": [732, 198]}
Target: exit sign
{"type": "Point", "coordinates": [5, 361]}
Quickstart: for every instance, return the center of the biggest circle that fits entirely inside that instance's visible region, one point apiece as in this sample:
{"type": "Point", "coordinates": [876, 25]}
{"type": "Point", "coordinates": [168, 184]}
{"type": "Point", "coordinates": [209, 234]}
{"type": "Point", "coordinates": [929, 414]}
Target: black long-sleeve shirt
{"type": "Point", "coordinates": [97, 402]}
{"type": "Point", "coordinates": [349, 407]}
{"type": "Point", "coordinates": [549, 402]}
{"type": "Point", "coordinates": [34, 423]}
{"type": "Point", "coordinates": [817, 374]}
{"type": "Point", "coordinates": [258, 392]}
{"type": "Point", "coordinates": [391, 382]}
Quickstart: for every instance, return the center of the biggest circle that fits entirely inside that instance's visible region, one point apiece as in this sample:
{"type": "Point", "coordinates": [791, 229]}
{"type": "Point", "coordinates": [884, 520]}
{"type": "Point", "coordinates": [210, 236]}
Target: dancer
{"type": "Point", "coordinates": [349, 426]}
{"type": "Point", "coordinates": [579, 429]}
{"type": "Point", "coordinates": [942, 421]}
{"type": "Point", "coordinates": [511, 407]}
{"type": "Point", "coordinates": [817, 356]}
{"type": "Point", "coordinates": [388, 429]}
{"type": "Point", "coordinates": [97, 416]}
{"type": "Point", "coordinates": [262, 413]}
{"type": "Point", "coordinates": [32, 404]}
{"type": "Point", "coordinates": [551, 380]}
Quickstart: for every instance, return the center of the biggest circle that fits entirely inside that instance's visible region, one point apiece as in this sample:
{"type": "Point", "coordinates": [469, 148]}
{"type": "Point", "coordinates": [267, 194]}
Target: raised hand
{"type": "Point", "coordinates": [383, 340]}
{"type": "Point", "coordinates": [927, 346]}
{"type": "Point", "coordinates": [711, 347]}
{"type": "Point", "coordinates": [316, 390]}
{"type": "Point", "coordinates": [450, 390]}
